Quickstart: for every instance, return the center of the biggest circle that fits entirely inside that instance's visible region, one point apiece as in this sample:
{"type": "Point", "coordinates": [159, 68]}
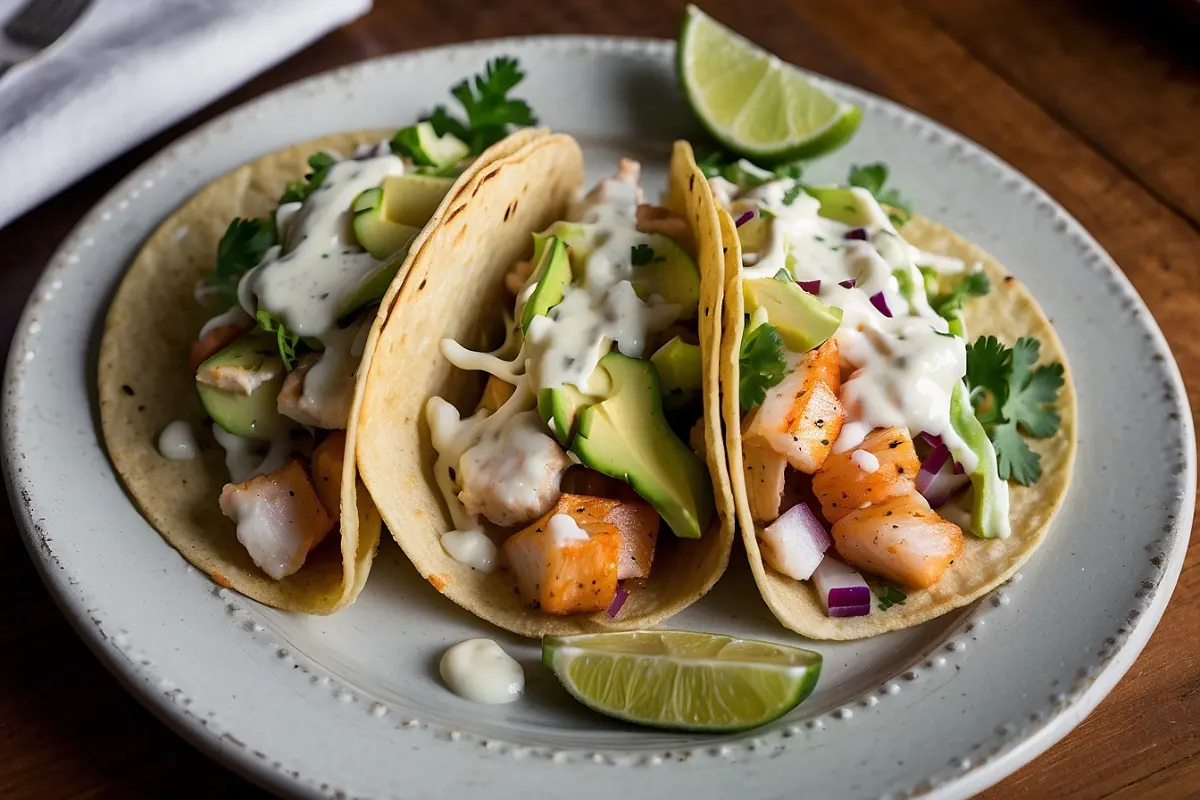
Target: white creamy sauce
{"type": "Point", "coordinates": [480, 671]}
{"type": "Point", "coordinates": [306, 281]}
{"type": "Point", "coordinates": [452, 437]}
{"type": "Point", "coordinates": [236, 315]}
{"type": "Point", "coordinates": [248, 458]}
{"type": "Point", "coordinates": [328, 387]}
{"type": "Point", "coordinates": [176, 442]}
{"type": "Point", "coordinates": [865, 461]}
{"type": "Point", "coordinates": [904, 367]}
{"type": "Point", "coordinates": [471, 547]}
{"type": "Point", "coordinates": [564, 529]}
{"type": "Point", "coordinates": [600, 309]}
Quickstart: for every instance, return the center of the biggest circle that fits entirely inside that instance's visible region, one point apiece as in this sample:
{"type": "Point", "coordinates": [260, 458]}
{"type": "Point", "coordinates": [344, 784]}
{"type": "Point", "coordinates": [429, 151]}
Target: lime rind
{"type": "Point", "coordinates": [753, 103]}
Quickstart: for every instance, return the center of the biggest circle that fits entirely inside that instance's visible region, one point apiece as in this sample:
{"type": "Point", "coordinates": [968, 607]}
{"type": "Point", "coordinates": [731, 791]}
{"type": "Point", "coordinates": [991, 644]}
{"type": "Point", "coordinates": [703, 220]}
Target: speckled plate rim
{"type": "Point", "coordinates": [964, 776]}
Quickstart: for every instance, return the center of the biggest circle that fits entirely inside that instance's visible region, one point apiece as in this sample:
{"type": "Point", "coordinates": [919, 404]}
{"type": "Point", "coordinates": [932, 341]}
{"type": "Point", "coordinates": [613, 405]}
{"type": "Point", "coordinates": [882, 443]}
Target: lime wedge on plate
{"type": "Point", "coordinates": [753, 103]}
{"type": "Point", "coordinates": [682, 679]}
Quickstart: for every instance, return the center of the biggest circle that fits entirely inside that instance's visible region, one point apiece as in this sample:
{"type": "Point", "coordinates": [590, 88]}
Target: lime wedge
{"type": "Point", "coordinates": [682, 679]}
{"type": "Point", "coordinates": [752, 102]}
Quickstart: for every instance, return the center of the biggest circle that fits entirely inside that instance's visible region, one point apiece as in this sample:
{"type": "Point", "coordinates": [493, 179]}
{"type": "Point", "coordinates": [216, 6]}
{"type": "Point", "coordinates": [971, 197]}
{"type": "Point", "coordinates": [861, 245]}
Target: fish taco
{"type": "Point", "coordinates": [900, 419]}
{"type": "Point", "coordinates": [229, 366]}
{"type": "Point", "coordinates": [539, 425]}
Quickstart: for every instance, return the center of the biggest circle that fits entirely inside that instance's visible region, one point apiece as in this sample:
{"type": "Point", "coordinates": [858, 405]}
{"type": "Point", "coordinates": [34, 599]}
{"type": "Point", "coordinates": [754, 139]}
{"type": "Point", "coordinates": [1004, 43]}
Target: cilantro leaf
{"type": "Point", "coordinates": [889, 596]}
{"type": "Point", "coordinates": [641, 255]}
{"type": "Point", "coordinates": [1014, 460]}
{"type": "Point", "coordinates": [790, 196]}
{"type": "Point", "coordinates": [443, 123]}
{"type": "Point", "coordinates": [240, 250]}
{"type": "Point", "coordinates": [762, 365]}
{"type": "Point", "coordinates": [490, 111]}
{"type": "Point", "coordinates": [1032, 392]}
{"type": "Point", "coordinates": [298, 191]}
{"type": "Point", "coordinates": [950, 304]}
{"type": "Point", "coordinates": [744, 172]}
{"type": "Point", "coordinates": [1011, 396]}
{"type": "Point", "coordinates": [287, 341]}
{"type": "Point", "coordinates": [873, 178]}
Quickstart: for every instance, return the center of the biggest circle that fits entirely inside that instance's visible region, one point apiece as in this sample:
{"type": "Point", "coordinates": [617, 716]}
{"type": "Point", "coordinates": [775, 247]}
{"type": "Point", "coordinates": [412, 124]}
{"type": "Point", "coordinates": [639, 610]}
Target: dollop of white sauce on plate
{"type": "Point", "coordinates": [480, 671]}
{"type": "Point", "coordinates": [176, 442]}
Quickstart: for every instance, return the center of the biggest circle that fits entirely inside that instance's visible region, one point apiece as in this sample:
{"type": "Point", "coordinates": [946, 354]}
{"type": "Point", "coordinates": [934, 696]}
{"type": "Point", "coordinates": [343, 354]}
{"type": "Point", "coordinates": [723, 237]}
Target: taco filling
{"type": "Point", "coordinates": [871, 439]}
{"type": "Point", "coordinates": [575, 458]}
{"type": "Point", "coordinates": [296, 292]}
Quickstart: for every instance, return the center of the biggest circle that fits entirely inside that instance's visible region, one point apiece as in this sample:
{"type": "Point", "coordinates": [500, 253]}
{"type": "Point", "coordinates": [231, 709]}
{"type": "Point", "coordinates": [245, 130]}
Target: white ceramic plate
{"type": "Point", "coordinates": [351, 705]}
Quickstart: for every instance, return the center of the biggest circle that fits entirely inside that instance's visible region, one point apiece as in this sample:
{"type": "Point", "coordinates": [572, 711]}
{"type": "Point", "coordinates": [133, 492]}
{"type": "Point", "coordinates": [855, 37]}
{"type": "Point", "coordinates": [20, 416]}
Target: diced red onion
{"type": "Point", "coordinates": [937, 480]}
{"type": "Point", "coordinates": [795, 543]}
{"type": "Point", "coordinates": [933, 440]}
{"type": "Point", "coordinates": [858, 233]}
{"type": "Point", "coordinates": [743, 218]}
{"type": "Point", "coordinates": [958, 469]}
{"type": "Point", "coordinates": [848, 283]}
{"type": "Point", "coordinates": [812, 287]}
{"type": "Point", "coordinates": [843, 591]}
{"type": "Point", "coordinates": [880, 303]}
{"type": "Point", "coordinates": [619, 599]}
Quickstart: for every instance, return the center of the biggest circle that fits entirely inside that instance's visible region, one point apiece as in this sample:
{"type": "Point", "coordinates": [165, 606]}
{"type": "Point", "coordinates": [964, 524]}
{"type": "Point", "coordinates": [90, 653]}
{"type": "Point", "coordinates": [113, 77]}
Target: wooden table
{"type": "Point", "coordinates": [1100, 106]}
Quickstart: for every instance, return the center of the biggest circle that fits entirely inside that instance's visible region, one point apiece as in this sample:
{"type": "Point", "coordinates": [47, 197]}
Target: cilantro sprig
{"type": "Point", "coordinates": [950, 304]}
{"type": "Point", "coordinates": [889, 596]}
{"type": "Point", "coordinates": [241, 248]}
{"type": "Point", "coordinates": [1014, 399]}
{"type": "Point", "coordinates": [490, 111]}
{"type": "Point", "coordinates": [873, 177]}
{"type": "Point", "coordinates": [643, 254]}
{"type": "Point", "coordinates": [745, 173]}
{"type": "Point", "coordinates": [762, 365]}
{"type": "Point", "coordinates": [287, 341]}
{"type": "Point", "coordinates": [298, 191]}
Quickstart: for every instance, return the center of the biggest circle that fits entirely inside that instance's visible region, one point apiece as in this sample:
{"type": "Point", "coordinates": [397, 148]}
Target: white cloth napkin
{"type": "Point", "coordinates": [128, 69]}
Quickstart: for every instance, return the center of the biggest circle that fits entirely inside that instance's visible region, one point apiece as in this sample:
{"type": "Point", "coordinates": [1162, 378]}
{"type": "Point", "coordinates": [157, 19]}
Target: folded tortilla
{"type": "Point", "coordinates": [1008, 312]}
{"type": "Point", "coordinates": [454, 289]}
{"type": "Point", "coordinates": [145, 383]}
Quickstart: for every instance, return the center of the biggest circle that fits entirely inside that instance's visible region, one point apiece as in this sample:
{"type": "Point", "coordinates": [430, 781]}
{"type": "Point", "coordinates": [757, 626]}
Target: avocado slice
{"type": "Point", "coordinates": [421, 143]}
{"type": "Point", "coordinates": [377, 234]}
{"type": "Point", "coordinates": [802, 320]}
{"type": "Point", "coordinates": [553, 271]}
{"type": "Point", "coordinates": [559, 407]}
{"type": "Point", "coordinates": [680, 371]}
{"type": "Point", "coordinates": [672, 274]}
{"type": "Point", "coordinates": [627, 437]}
{"type": "Point", "coordinates": [255, 415]}
{"type": "Point", "coordinates": [411, 199]}
{"type": "Point", "coordinates": [580, 237]}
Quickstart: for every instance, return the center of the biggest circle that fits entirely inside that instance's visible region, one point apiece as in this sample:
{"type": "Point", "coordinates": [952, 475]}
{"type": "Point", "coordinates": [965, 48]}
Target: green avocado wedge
{"type": "Point", "coordinates": [670, 273]}
{"type": "Point", "coordinates": [802, 320]}
{"type": "Point", "coordinates": [254, 415]}
{"type": "Point", "coordinates": [626, 436]}
{"type": "Point", "coordinates": [411, 198]}
{"type": "Point", "coordinates": [377, 234]}
{"type": "Point", "coordinates": [680, 368]}
{"type": "Point", "coordinates": [553, 271]}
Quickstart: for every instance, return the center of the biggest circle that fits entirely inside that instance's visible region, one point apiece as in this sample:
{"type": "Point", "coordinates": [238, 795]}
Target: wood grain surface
{"type": "Point", "coordinates": [1098, 103]}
